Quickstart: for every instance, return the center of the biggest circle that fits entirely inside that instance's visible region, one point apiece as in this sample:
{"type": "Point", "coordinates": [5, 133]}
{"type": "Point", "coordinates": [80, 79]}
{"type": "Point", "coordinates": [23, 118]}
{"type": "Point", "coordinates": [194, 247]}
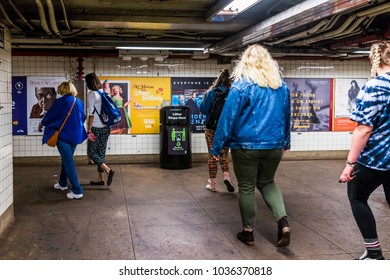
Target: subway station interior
{"type": "Point", "coordinates": [157, 50]}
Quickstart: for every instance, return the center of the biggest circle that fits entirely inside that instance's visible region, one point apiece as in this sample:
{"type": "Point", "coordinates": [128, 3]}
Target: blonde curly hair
{"type": "Point", "coordinates": [257, 65]}
{"type": "Point", "coordinates": [379, 54]}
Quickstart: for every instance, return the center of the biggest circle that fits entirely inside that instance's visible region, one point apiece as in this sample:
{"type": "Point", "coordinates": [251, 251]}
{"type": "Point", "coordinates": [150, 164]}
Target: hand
{"type": "Point", "coordinates": [40, 127]}
{"type": "Point", "coordinates": [346, 175]}
{"type": "Point", "coordinates": [215, 158]}
{"type": "Point", "coordinates": [91, 137]}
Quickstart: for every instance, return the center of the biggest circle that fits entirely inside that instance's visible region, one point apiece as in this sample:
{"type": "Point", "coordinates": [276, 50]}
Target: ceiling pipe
{"type": "Point", "coordinates": [65, 16]}
{"type": "Point", "coordinates": [300, 34]}
{"type": "Point", "coordinates": [52, 18]}
{"type": "Point", "coordinates": [354, 42]}
{"type": "Point", "coordinates": [9, 20]}
{"type": "Point", "coordinates": [327, 35]}
{"type": "Point", "coordinates": [42, 17]}
{"type": "Point", "coordinates": [367, 14]}
{"type": "Point", "coordinates": [297, 16]}
{"type": "Point", "coordinates": [20, 15]}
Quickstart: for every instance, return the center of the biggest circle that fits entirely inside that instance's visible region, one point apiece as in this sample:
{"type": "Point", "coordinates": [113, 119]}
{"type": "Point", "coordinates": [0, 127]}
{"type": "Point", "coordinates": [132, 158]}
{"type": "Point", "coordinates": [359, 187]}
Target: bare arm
{"type": "Point", "coordinates": [89, 123]}
{"type": "Point", "coordinates": [359, 140]}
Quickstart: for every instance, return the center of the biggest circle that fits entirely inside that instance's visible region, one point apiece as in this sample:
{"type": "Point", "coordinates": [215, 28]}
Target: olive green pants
{"type": "Point", "coordinates": [257, 168]}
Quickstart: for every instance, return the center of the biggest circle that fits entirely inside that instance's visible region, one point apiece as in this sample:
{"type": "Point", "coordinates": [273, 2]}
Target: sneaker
{"type": "Point", "coordinates": [371, 255]}
{"type": "Point", "coordinates": [284, 232]}
{"type": "Point", "coordinates": [72, 195]}
{"type": "Point", "coordinates": [228, 182]}
{"type": "Point", "coordinates": [57, 186]}
{"type": "Point", "coordinates": [246, 237]}
{"type": "Point", "coordinates": [211, 186]}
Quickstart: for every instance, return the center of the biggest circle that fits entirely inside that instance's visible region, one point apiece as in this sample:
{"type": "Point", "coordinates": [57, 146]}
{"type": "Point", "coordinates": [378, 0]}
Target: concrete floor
{"type": "Point", "coordinates": [150, 213]}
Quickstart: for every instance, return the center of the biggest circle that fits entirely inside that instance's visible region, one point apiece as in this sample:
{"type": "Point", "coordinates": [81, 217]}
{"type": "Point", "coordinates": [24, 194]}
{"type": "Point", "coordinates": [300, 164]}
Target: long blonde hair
{"type": "Point", "coordinates": [257, 65]}
{"type": "Point", "coordinates": [379, 54]}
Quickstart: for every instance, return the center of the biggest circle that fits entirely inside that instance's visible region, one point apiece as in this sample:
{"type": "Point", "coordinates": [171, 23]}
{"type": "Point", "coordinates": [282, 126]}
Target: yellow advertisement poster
{"type": "Point", "coordinates": [141, 100]}
{"type": "Point", "coordinates": [147, 96]}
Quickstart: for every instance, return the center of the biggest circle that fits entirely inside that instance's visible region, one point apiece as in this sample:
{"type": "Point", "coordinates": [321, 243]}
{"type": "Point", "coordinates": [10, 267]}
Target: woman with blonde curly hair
{"type": "Point", "coordinates": [255, 125]}
{"type": "Point", "coordinates": [369, 154]}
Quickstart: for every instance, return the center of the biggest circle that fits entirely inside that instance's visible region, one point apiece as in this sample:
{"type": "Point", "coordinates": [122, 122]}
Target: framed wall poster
{"type": "Point", "coordinates": [190, 92]}
{"type": "Point", "coordinates": [311, 99]}
{"type": "Point", "coordinates": [19, 105]}
{"type": "Point", "coordinates": [41, 94]}
{"type": "Point", "coordinates": [345, 94]}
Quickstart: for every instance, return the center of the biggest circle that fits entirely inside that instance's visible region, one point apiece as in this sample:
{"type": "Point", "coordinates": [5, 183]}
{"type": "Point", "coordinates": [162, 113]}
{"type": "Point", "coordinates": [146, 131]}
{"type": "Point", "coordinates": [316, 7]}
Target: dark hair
{"type": "Point", "coordinates": [93, 82]}
{"type": "Point", "coordinates": [223, 79]}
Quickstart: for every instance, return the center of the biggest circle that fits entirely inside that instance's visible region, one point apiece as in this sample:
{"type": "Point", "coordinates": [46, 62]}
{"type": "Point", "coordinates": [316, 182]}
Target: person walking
{"type": "Point", "coordinates": [72, 134]}
{"type": "Point", "coordinates": [255, 124]}
{"type": "Point", "coordinates": [219, 88]}
{"type": "Point", "coordinates": [98, 132]}
{"type": "Point", "coordinates": [369, 154]}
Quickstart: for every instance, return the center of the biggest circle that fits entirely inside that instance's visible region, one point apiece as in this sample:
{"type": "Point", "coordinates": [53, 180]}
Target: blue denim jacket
{"type": "Point", "coordinates": [208, 100]}
{"type": "Point", "coordinates": [73, 131]}
{"type": "Point", "coordinates": [254, 117]}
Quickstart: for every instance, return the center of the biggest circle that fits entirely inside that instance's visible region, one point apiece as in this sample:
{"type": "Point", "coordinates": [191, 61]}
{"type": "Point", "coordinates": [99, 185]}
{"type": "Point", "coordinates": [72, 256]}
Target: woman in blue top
{"type": "Point", "coordinates": [72, 134]}
{"type": "Point", "coordinates": [220, 87]}
{"type": "Point", "coordinates": [370, 148]}
{"type": "Point", "coordinates": [255, 124]}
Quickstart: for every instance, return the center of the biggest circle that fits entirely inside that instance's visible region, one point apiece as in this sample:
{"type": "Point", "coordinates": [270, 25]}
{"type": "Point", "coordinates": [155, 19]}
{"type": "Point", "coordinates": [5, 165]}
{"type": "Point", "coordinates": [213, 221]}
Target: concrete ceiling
{"type": "Point", "coordinates": [287, 27]}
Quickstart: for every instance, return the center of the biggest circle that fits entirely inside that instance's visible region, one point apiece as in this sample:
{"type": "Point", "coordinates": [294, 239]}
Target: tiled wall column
{"type": "Point", "coordinates": [6, 169]}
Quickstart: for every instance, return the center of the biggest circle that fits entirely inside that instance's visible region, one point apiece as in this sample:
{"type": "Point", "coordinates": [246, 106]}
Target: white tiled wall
{"type": "Point", "coordinates": [6, 160]}
{"type": "Point", "coordinates": [179, 67]}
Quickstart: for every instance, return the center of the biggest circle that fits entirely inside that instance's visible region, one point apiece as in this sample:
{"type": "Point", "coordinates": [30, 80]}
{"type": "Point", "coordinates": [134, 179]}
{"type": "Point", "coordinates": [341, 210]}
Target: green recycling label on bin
{"type": "Point", "coordinates": [177, 140]}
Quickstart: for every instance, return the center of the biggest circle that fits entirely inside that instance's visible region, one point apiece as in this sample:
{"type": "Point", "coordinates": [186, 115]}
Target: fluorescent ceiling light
{"type": "Point", "coordinates": [362, 52]}
{"type": "Point", "coordinates": [233, 9]}
{"type": "Point", "coordinates": [239, 6]}
{"type": "Point", "coordinates": [161, 48]}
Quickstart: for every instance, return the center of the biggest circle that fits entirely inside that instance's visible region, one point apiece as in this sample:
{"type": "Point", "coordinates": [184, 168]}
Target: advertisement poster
{"type": "Point", "coordinates": [19, 106]}
{"type": "Point", "coordinates": [189, 92]}
{"type": "Point", "coordinates": [147, 96]}
{"type": "Point", "coordinates": [311, 108]}
{"type": "Point", "coordinates": [41, 94]}
{"type": "Point", "coordinates": [119, 89]}
{"type": "Point", "coordinates": [345, 94]}
{"type": "Point", "coordinates": [81, 89]}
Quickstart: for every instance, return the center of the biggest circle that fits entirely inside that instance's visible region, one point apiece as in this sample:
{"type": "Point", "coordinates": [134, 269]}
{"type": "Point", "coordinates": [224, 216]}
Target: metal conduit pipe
{"type": "Point", "coordinates": [375, 10]}
{"type": "Point", "coordinates": [42, 17]}
{"type": "Point", "coordinates": [354, 42]}
{"type": "Point", "coordinates": [326, 35]}
{"type": "Point", "coordinates": [320, 27]}
{"type": "Point", "coordinates": [20, 14]}
{"type": "Point", "coordinates": [9, 20]}
{"type": "Point", "coordinates": [65, 16]}
{"type": "Point", "coordinates": [300, 34]}
{"type": "Point", "coordinates": [52, 18]}
{"type": "Point", "coordinates": [352, 27]}
{"type": "Point", "coordinates": [370, 13]}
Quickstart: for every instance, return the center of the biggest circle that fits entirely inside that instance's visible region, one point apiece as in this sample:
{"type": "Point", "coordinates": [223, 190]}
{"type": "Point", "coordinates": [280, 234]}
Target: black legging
{"type": "Point", "coordinates": [359, 190]}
